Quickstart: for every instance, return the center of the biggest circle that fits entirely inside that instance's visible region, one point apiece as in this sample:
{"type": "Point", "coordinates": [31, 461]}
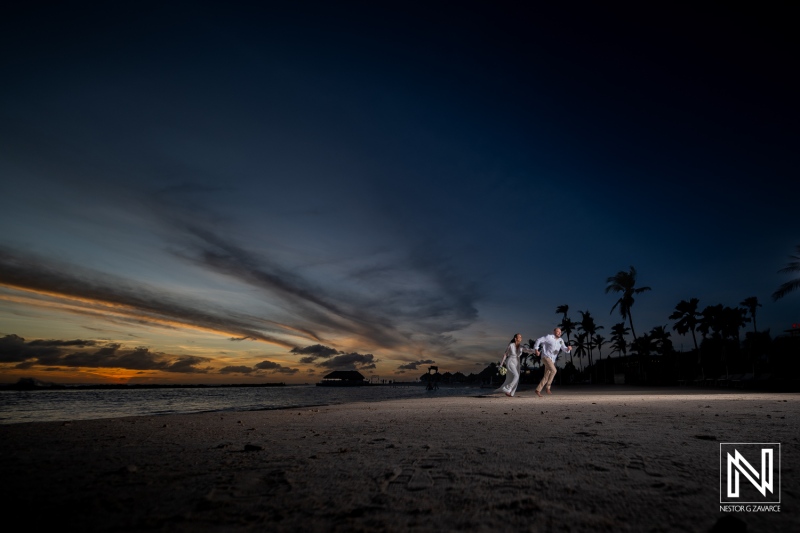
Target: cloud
{"type": "Point", "coordinates": [188, 365]}
{"type": "Point", "coordinates": [273, 368]}
{"type": "Point", "coordinates": [426, 298]}
{"type": "Point", "coordinates": [77, 342]}
{"type": "Point", "coordinates": [14, 349]}
{"type": "Point", "coordinates": [303, 297]}
{"type": "Point", "coordinates": [350, 361]}
{"type": "Point", "coordinates": [327, 357]}
{"type": "Point", "coordinates": [236, 370]}
{"type": "Point", "coordinates": [115, 299]}
{"type": "Point", "coordinates": [269, 367]}
{"type": "Point", "coordinates": [415, 364]}
{"type": "Point", "coordinates": [315, 352]}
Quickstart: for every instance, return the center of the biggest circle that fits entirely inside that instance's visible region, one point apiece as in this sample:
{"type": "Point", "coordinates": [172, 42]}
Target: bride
{"type": "Point", "coordinates": [511, 355]}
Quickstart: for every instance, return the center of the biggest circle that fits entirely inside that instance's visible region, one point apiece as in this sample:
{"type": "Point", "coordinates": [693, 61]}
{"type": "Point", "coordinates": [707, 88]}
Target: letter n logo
{"type": "Point", "coordinates": [747, 472]}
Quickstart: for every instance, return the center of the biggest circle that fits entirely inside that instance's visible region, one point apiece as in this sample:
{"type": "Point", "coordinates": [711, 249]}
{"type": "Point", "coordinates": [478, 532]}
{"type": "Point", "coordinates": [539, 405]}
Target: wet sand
{"type": "Point", "coordinates": [583, 459]}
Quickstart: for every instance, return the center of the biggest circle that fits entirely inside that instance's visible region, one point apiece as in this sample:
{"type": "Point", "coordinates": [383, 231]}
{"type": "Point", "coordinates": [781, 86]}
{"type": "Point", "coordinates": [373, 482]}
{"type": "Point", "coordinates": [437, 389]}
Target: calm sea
{"type": "Point", "coordinates": [63, 405]}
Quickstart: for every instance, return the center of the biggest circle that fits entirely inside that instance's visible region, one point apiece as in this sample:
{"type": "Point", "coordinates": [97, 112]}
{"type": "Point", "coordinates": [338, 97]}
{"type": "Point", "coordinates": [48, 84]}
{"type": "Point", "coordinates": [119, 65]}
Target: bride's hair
{"type": "Point", "coordinates": [514, 338]}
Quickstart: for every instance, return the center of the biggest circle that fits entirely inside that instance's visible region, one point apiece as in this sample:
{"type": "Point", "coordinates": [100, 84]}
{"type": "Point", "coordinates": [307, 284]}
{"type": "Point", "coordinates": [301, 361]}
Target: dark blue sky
{"type": "Point", "coordinates": [399, 183]}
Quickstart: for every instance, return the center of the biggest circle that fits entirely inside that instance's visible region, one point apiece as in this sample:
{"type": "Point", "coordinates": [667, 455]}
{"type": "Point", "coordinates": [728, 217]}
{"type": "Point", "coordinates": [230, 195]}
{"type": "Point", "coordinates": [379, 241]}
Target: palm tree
{"type": "Point", "coordinates": [751, 304]}
{"type": "Point", "coordinates": [641, 347]}
{"type": "Point", "coordinates": [618, 342]}
{"type": "Point", "coordinates": [599, 341]}
{"type": "Point", "coordinates": [580, 347]}
{"type": "Point", "coordinates": [792, 284]}
{"type": "Point", "coordinates": [530, 357]}
{"type": "Point", "coordinates": [687, 317]}
{"type": "Point", "coordinates": [563, 310]}
{"type": "Point", "coordinates": [660, 339]}
{"type": "Point", "coordinates": [588, 326]}
{"type": "Point", "coordinates": [735, 318]}
{"type": "Point", "coordinates": [524, 365]}
{"type": "Point", "coordinates": [711, 322]}
{"type": "Point", "coordinates": [723, 323]}
{"type": "Point", "coordinates": [567, 325]}
{"type": "Point", "coordinates": [625, 282]}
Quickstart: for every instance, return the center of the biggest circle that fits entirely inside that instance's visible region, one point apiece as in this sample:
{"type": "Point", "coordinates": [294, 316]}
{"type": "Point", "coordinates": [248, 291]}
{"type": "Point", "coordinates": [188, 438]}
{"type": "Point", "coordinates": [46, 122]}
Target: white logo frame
{"type": "Point", "coordinates": [732, 463]}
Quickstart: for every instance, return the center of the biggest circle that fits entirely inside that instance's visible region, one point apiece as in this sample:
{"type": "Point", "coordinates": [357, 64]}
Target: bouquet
{"type": "Point", "coordinates": [502, 370]}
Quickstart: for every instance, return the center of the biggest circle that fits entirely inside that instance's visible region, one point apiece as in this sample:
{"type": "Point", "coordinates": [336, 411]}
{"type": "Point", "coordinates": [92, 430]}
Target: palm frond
{"type": "Point", "coordinates": [785, 289]}
{"type": "Point", "coordinates": [791, 267]}
{"type": "Point", "coordinates": [791, 285]}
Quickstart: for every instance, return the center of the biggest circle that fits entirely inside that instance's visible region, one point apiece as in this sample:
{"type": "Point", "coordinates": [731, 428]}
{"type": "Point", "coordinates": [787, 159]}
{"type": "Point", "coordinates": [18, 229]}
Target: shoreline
{"type": "Point", "coordinates": [61, 406]}
{"type": "Point", "coordinates": [583, 460]}
{"type": "Point", "coordinates": [11, 417]}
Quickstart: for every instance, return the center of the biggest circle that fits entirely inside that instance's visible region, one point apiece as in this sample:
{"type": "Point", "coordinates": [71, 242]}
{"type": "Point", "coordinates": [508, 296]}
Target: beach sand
{"type": "Point", "coordinates": [583, 459]}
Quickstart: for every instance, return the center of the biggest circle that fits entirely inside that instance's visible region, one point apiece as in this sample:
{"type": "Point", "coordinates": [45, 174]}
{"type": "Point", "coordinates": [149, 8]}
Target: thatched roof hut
{"type": "Point", "coordinates": [343, 378]}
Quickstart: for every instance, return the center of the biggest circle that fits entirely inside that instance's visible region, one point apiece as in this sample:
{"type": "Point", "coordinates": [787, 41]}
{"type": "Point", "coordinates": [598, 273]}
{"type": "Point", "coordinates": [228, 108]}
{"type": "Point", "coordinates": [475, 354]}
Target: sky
{"type": "Point", "coordinates": [237, 192]}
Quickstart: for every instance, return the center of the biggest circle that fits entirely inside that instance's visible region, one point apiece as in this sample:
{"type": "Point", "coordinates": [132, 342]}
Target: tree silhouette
{"type": "Point", "coordinates": [524, 365]}
{"type": "Point", "coordinates": [580, 347]}
{"type": "Point", "coordinates": [722, 323]}
{"type": "Point", "coordinates": [526, 358]}
{"type": "Point", "coordinates": [618, 342]}
{"type": "Point", "coordinates": [711, 323]}
{"type": "Point", "coordinates": [687, 317]}
{"type": "Point", "coordinates": [588, 326]}
{"type": "Point", "coordinates": [735, 319]}
{"type": "Point", "coordinates": [641, 347]}
{"type": "Point", "coordinates": [792, 284]}
{"type": "Point", "coordinates": [660, 340]}
{"type": "Point", "coordinates": [567, 325]}
{"type": "Point", "coordinates": [625, 282]}
{"type": "Point", "coordinates": [599, 341]}
{"type": "Point", "coordinates": [751, 304]}
{"type": "Point", "coordinates": [563, 310]}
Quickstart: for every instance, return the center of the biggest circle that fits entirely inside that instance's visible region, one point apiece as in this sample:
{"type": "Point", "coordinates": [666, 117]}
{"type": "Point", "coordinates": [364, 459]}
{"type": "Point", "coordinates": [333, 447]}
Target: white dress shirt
{"type": "Point", "coordinates": [551, 345]}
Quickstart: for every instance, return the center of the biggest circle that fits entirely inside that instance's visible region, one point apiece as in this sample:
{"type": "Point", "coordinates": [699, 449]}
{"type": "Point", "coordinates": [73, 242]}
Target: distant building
{"type": "Point", "coordinates": [343, 378]}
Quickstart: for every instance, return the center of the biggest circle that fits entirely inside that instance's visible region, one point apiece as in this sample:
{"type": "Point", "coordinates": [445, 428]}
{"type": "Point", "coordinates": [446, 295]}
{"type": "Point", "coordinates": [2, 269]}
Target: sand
{"type": "Point", "coordinates": [582, 459]}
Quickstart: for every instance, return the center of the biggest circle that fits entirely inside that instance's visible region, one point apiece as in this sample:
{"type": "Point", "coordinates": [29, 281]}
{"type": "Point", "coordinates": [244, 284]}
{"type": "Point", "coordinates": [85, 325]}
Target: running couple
{"type": "Point", "coordinates": [550, 344]}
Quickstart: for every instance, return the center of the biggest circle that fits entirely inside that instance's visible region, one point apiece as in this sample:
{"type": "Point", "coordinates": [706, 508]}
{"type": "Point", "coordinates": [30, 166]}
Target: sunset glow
{"type": "Point", "coordinates": [266, 193]}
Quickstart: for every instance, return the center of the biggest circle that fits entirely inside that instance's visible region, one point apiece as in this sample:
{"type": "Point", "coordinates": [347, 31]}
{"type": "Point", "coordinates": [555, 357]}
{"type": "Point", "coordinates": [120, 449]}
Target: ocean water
{"type": "Point", "coordinates": [64, 405]}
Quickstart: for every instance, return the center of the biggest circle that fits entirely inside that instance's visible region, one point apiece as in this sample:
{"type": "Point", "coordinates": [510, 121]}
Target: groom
{"type": "Point", "coordinates": [551, 345]}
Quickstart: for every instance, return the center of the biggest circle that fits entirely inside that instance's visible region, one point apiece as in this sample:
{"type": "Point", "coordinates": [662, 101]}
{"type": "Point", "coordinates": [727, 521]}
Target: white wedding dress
{"type": "Point", "coordinates": [512, 365]}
